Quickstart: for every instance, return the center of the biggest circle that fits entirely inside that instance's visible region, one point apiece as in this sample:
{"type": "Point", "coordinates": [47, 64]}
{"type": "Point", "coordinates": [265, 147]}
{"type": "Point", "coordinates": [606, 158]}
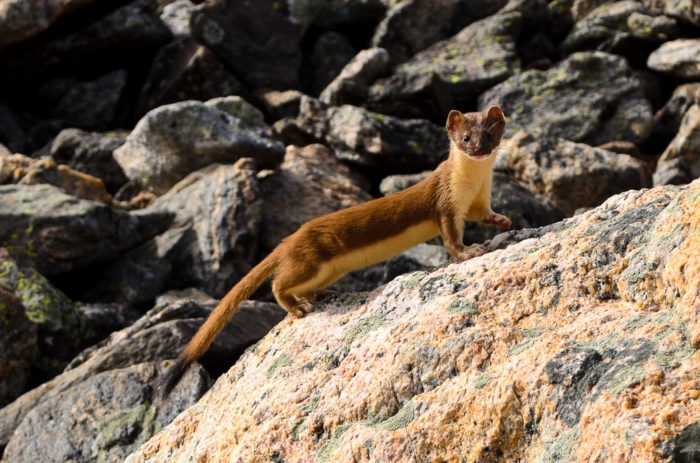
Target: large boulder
{"type": "Point", "coordinates": [680, 163]}
{"type": "Point", "coordinates": [452, 72]}
{"type": "Point", "coordinates": [160, 334]}
{"type": "Point", "coordinates": [680, 58]}
{"type": "Point", "coordinates": [625, 28]}
{"type": "Point", "coordinates": [21, 19]}
{"type": "Point", "coordinates": [576, 344]}
{"type": "Point", "coordinates": [174, 140]}
{"type": "Point", "coordinates": [58, 233]}
{"type": "Point", "coordinates": [590, 97]}
{"type": "Point", "coordinates": [260, 53]}
{"type": "Point", "coordinates": [571, 175]}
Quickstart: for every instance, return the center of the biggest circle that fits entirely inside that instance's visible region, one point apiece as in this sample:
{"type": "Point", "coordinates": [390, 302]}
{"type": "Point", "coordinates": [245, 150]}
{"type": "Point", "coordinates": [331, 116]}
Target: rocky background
{"type": "Point", "coordinates": [152, 151]}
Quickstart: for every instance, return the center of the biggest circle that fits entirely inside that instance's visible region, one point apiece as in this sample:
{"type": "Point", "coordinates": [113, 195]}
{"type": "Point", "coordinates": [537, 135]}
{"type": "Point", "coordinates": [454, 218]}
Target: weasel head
{"type": "Point", "coordinates": [476, 134]}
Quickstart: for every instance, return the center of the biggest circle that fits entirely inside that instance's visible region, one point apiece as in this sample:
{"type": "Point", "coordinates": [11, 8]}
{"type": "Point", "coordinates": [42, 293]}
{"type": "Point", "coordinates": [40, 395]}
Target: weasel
{"type": "Point", "coordinates": [324, 249]}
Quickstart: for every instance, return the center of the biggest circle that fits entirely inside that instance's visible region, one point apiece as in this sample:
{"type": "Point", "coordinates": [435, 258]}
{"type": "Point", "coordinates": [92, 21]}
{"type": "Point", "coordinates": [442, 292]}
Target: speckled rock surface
{"type": "Point", "coordinates": [577, 344]}
{"type": "Point", "coordinates": [680, 58]}
{"type": "Point", "coordinates": [680, 163]}
{"type": "Point", "coordinates": [571, 175]}
{"type": "Point", "coordinates": [590, 97]}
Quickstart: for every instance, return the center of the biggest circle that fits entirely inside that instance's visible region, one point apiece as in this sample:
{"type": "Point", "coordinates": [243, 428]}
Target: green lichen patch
{"type": "Point", "coordinates": [363, 327]}
{"type": "Point", "coordinates": [463, 306]}
{"type": "Point", "coordinates": [412, 280]}
{"type": "Point", "coordinates": [305, 411]}
{"type": "Point", "coordinates": [400, 420]}
{"type": "Point", "coordinates": [559, 450]}
{"type": "Point", "coordinates": [333, 443]}
{"type": "Point", "coordinates": [522, 347]}
{"type": "Point", "coordinates": [625, 378]}
{"type": "Point", "coordinates": [279, 362]}
{"type": "Point", "coordinates": [480, 381]}
{"type": "Point", "coordinates": [134, 426]}
{"type": "Point", "coordinates": [533, 332]}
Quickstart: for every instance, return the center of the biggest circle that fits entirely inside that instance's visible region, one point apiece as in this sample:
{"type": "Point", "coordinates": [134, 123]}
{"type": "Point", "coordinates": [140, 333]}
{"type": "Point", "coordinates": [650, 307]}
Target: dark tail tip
{"type": "Point", "coordinates": [167, 382]}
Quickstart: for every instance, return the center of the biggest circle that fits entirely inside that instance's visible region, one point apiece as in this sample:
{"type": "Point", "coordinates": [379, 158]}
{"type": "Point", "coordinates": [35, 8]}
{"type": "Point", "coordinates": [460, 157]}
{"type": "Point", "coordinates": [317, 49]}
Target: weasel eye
{"type": "Point", "coordinates": [466, 138]}
{"type": "Point", "coordinates": [489, 136]}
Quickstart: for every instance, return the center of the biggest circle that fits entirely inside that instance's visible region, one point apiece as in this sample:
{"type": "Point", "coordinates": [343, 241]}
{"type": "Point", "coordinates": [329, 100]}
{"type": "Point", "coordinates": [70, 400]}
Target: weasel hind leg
{"type": "Point", "coordinates": [295, 292]}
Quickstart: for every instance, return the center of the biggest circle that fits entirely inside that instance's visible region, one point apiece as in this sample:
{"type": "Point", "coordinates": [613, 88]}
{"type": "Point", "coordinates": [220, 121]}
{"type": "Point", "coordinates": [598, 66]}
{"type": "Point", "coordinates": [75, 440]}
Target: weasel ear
{"type": "Point", "coordinates": [455, 121]}
{"type": "Point", "coordinates": [495, 114]}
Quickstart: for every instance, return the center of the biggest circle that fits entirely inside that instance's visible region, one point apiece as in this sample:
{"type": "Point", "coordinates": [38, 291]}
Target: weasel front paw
{"type": "Point", "coordinates": [470, 252]}
{"type": "Point", "coordinates": [501, 221]}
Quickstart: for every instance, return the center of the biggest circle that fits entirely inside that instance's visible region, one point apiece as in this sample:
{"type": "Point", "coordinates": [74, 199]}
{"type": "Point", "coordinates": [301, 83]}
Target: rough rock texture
{"type": "Point", "coordinates": [130, 30]}
{"type": "Point", "coordinates": [667, 120]}
{"type": "Point", "coordinates": [412, 25]}
{"type": "Point", "coordinates": [577, 344]}
{"type": "Point", "coordinates": [159, 334]}
{"type": "Point", "coordinates": [309, 183]}
{"type": "Point", "coordinates": [686, 9]}
{"type": "Point", "coordinates": [680, 163]}
{"type": "Point", "coordinates": [385, 143]}
{"type": "Point", "coordinates": [95, 103]}
{"type": "Point", "coordinates": [109, 415]}
{"type": "Point", "coordinates": [571, 175]}
{"type": "Point", "coordinates": [174, 140]}
{"type": "Point", "coordinates": [351, 85]}
{"type": "Point", "coordinates": [91, 153]}
{"type": "Point", "coordinates": [22, 19]}
{"type": "Point", "coordinates": [626, 28]}
{"type": "Point", "coordinates": [590, 97]}
{"type": "Point", "coordinates": [42, 329]}
{"type": "Point", "coordinates": [185, 70]}
{"type": "Point", "coordinates": [235, 33]}
{"type": "Point", "coordinates": [57, 233]}
{"type": "Point", "coordinates": [24, 170]}
{"type": "Point", "coordinates": [18, 344]}
{"type": "Point", "coordinates": [680, 58]}
{"type": "Point", "coordinates": [453, 71]}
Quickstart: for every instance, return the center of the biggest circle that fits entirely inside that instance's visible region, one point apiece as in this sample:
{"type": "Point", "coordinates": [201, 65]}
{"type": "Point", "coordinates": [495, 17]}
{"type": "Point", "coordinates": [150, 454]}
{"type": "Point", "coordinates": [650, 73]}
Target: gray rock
{"type": "Point", "coordinates": [335, 13]}
{"type": "Point", "coordinates": [590, 97]}
{"type": "Point", "coordinates": [571, 175]}
{"type": "Point", "coordinates": [11, 134]}
{"type": "Point", "coordinates": [211, 243]}
{"type": "Point", "coordinates": [58, 233]}
{"type": "Point", "coordinates": [309, 183]}
{"type": "Point", "coordinates": [687, 10]}
{"type": "Point", "coordinates": [385, 144]}
{"type": "Point", "coordinates": [680, 58]}
{"type": "Point", "coordinates": [667, 120]}
{"type": "Point", "coordinates": [177, 15]}
{"type": "Point", "coordinates": [310, 126]}
{"type": "Point", "coordinates": [93, 104]}
{"type": "Point", "coordinates": [174, 140]}
{"type": "Point", "coordinates": [218, 219]}
{"type": "Point", "coordinates": [279, 104]}
{"type": "Point", "coordinates": [329, 55]}
{"type": "Point", "coordinates": [185, 70]}
{"type": "Point", "coordinates": [624, 28]}
{"type": "Point", "coordinates": [55, 331]}
{"type": "Point", "coordinates": [452, 72]}
{"type": "Point", "coordinates": [21, 19]}
{"type": "Point", "coordinates": [104, 418]}
{"type": "Point", "coordinates": [18, 345]}
{"type": "Point", "coordinates": [680, 163]}
{"type": "Point", "coordinates": [91, 153]}
{"type": "Point", "coordinates": [130, 30]}
{"type": "Point", "coordinates": [235, 33]}
{"type": "Point", "coordinates": [238, 107]}
{"type": "Point", "coordinates": [351, 86]}
{"type": "Point", "coordinates": [412, 25]}
{"type": "Point", "coordinates": [159, 334]}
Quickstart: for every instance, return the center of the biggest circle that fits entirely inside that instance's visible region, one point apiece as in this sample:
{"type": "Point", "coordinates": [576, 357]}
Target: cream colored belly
{"type": "Point", "coordinates": [332, 270]}
{"type": "Point", "coordinates": [385, 249]}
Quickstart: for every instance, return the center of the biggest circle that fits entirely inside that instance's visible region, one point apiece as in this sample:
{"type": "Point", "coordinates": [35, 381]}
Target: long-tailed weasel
{"type": "Point", "coordinates": [326, 248]}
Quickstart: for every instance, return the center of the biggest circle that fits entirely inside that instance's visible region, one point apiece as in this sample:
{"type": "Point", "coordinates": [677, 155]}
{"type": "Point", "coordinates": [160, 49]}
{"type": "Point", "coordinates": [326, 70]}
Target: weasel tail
{"type": "Point", "coordinates": [216, 321]}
